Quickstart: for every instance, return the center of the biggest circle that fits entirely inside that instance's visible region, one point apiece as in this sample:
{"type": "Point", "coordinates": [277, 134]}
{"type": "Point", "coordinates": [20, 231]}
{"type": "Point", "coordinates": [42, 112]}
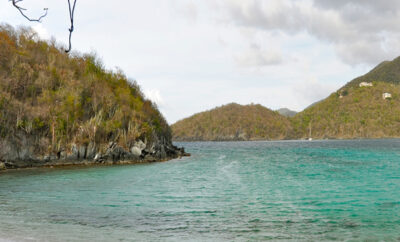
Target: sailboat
{"type": "Point", "coordinates": [309, 135]}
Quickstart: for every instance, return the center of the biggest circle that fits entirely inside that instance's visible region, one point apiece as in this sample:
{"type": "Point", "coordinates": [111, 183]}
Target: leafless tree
{"type": "Point", "coordinates": [71, 8]}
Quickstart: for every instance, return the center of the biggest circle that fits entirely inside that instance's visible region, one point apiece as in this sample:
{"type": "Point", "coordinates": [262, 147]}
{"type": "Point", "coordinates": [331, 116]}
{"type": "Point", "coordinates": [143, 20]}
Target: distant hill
{"type": "Point", "coordinates": [387, 71]}
{"type": "Point", "coordinates": [233, 122]}
{"type": "Point", "coordinates": [354, 111]}
{"type": "Point", "coordinates": [286, 112]}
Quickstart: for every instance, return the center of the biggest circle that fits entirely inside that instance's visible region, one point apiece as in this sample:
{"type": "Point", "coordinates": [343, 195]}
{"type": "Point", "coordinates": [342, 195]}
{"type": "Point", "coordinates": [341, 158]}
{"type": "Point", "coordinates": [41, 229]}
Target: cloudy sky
{"type": "Point", "coordinates": [191, 55]}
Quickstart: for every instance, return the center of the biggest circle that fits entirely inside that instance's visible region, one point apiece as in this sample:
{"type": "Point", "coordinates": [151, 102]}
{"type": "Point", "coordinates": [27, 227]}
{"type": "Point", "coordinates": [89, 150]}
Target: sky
{"type": "Point", "coordinates": [190, 56]}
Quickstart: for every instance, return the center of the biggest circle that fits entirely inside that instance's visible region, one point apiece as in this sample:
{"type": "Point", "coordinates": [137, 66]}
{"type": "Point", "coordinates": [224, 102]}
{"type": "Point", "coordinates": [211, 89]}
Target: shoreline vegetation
{"type": "Point", "coordinates": [367, 107]}
{"type": "Point", "coordinates": [67, 109]}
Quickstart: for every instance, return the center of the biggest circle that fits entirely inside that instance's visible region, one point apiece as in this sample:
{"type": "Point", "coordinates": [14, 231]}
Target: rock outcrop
{"type": "Point", "coordinates": [19, 153]}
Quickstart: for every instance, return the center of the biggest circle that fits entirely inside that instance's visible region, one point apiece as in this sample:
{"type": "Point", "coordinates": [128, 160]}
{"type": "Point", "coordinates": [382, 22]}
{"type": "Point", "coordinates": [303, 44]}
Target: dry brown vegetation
{"type": "Point", "coordinates": [357, 112]}
{"type": "Point", "coordinates": [233, 122]}
{"type": "Point", "coordinates": [64, 98]}
{"type": "Point", "coordinates": [351, 112]}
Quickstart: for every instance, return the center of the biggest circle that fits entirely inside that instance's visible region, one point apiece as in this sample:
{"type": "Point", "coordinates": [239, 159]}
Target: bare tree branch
{"type": "Point", "coordinates": [21, 10]}
{"type": "Point", "coordinates": [71, 16]}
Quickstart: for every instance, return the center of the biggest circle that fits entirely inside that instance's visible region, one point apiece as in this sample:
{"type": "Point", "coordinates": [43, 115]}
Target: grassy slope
{"type": "Point", "coordinates": [361, 113]}
{"type": "Point", "coordinates": [62, 99]}
{"type": "Point", "coordinates": [233, 122]}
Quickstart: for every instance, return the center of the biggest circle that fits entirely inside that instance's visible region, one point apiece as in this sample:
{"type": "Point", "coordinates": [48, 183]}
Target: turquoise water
{"type": "Point", "coordinates": [319, 190]}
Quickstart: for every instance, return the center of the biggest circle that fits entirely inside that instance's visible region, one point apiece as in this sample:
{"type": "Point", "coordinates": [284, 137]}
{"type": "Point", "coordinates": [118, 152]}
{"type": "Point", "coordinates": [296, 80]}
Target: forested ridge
{"type": "Point", "coordinates": [353, 111]}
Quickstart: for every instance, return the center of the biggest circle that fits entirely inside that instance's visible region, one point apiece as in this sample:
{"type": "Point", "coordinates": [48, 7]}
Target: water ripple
{"type": "Point", "coordinates": [228, 191]}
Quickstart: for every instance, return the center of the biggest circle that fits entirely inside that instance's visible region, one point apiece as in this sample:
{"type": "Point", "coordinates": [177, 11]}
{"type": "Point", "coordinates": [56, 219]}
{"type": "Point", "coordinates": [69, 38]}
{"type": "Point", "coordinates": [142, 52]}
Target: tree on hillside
{"type": "Point", "coordinates": [71, 8]}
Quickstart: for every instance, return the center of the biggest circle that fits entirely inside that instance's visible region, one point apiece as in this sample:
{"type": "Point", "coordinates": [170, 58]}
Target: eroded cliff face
{"type": "Point", "coordinates": [21, 152]}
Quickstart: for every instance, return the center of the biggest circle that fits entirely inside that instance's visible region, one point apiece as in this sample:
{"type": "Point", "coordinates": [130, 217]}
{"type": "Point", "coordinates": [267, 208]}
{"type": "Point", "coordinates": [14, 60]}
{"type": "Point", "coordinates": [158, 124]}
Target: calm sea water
{"type": "Point", "coordinates": [320, 190]}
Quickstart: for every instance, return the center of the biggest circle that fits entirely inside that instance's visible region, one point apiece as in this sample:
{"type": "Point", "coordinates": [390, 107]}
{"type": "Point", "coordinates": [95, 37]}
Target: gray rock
{"type": "Point", "coordinates": [136, 151]}
{"type": "Point", "coordinates": [116, 153]}
{"type": "Point", "coordinates": [151, 149]}
{"type": "Point", "coordinates": [139, 144]}
{"type": "Point", "coordinates": [63, 155]}
{"type": "Point", "coordinates": [8, 151]}
{"type": "Point", "coordinates": [50, 157]}
{"type": "Point", "coordinates": [149, 158]}
{"type": "Point", "coordinates": [163, 154]}
{"type": "Point", "coordinates": [82, 152]}
{"type": "Point", "coordinates": [74, 149]}
{"type": "Point", "coordinates": [74, 153]}
{"type": "Point", "coordinates": [19, 152]}
{"type": "Point", "coordinates": [91, 151]}
{"type": "Point", "coordinates": [97, 157]}
{"type": "Point", "coordinates": [24, 153]}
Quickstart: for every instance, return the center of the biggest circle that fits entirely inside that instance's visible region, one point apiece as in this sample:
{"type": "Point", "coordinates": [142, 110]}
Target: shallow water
{"type": "Point", "coordinates": [292, 190]}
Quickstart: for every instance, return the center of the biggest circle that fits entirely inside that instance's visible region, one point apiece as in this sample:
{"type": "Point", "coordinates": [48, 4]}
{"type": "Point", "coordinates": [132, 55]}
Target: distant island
{"type": "Point", "coordinates": [366, 107]}
{"type": "Point", "coordinates": [62, 109]}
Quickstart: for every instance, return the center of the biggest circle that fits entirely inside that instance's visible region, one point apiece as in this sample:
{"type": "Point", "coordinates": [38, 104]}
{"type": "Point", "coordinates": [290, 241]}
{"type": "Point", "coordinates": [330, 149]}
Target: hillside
{"type": "Point", "coordinates": [286, 112]}
{"type": "Point", "coordinates": [387, 71]}
{"type": "Point", "coordinates": [357, 112]}
{"type": "Point", "coordinates": [233, 122]}
{"type": "Point", "coordinates": [56, 107]}
{"type": "Point", "coordinates": [351, 112]}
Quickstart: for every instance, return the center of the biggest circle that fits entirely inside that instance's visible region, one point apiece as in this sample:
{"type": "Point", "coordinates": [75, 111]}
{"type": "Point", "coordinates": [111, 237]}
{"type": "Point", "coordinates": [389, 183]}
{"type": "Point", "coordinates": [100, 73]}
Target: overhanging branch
{"type": "Point", "coordinates": [71, 16]}
{"type": "Point", "coordinates": [21, 10]}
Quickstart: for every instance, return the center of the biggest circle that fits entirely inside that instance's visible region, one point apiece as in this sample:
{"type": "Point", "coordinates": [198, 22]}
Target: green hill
{"type": "Point", "coordinates": [233, 122]}
{"type": "Point", "coordinates": [351, 112]}
{"type": "Point", "coordinates": [354, 111]}
{"type": "Point", "coordinates": [56, 107]}
{"type": "Point", "coordinates": [387, 71]}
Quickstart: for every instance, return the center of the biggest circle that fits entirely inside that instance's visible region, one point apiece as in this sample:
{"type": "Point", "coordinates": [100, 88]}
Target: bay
{"type": "Point", "coordinates": [226, 191]}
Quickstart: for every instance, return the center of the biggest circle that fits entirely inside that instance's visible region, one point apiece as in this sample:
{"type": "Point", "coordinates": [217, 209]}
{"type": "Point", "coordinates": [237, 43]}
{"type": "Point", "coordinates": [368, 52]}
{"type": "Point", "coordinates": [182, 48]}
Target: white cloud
{"type": "Point", "coordinates": [358, 30]}
{"type": "Point", "coordinates": [255, 56]}
{"type": "Point", "coordinates": [187, 9]}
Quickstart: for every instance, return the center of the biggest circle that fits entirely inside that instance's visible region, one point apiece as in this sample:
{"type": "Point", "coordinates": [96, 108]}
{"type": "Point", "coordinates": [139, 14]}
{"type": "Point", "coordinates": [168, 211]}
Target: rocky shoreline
{"type": "Point", "coordinates": [18, 157]}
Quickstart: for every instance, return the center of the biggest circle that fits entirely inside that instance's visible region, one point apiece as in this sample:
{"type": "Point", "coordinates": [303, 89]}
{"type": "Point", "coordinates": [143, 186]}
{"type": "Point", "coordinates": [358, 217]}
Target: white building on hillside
{"type": "Point", "coordinates": [366, 84]}
{"type": "Point", "coordinates": [386, 95]}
